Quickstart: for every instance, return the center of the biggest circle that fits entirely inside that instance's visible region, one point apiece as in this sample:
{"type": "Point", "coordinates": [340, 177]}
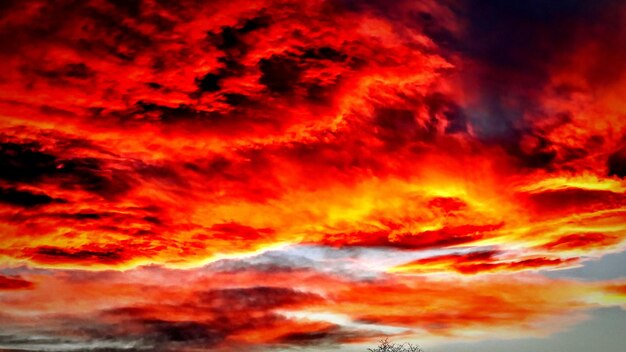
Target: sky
{"type": "Point", "coordinates": [290, 175]}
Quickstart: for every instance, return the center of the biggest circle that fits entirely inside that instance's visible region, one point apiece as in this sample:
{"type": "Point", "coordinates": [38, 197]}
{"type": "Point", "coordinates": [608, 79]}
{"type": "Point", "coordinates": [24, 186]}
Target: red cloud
{"type": "Point", "coordinates": [201, 307]}
{"type": "Point", "coordinates": [480, 262]}
{"type": "Point", "coordinates": [14, 283]}
{"type": "Point", "coordinates": [179, 133]}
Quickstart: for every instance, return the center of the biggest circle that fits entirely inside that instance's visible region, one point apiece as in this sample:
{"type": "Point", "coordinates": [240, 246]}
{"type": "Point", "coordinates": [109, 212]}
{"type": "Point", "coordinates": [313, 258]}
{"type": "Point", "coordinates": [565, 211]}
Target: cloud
{"type": "Point", "coordinates": [617, 163]}
{"type": "Point", "coordinates": [480, 262]}
{"type": "Point", "coordinates": [14, 283]}
{"type": "Point", "coordinates": [193, 170]}
{"type": "Point", "coordinates": [264, 119]}
{"type": "Point", "coordinates": [85, 255]}
{"type": "Point", "coordinates": [24, 198]}
{"type": "Point", "coordinates": [152, 307]}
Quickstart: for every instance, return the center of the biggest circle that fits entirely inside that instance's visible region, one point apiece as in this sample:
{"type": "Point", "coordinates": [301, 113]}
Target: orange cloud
{"type": "Point", "coordinates": [480, 262]}
{"type": "Point", "coordinates": [448, 140]}
{"type": "Point", "coordinates": [237, 308]}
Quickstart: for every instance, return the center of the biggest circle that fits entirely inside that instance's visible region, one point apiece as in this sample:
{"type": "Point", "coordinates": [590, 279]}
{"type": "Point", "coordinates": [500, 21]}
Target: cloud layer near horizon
{"type": "Point", "coordinates": [483, 141]}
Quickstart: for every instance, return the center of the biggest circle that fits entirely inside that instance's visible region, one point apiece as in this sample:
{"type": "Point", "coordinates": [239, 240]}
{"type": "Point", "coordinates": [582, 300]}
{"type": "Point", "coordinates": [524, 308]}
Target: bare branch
{"type": "Point", "coordinates": [385, 346]}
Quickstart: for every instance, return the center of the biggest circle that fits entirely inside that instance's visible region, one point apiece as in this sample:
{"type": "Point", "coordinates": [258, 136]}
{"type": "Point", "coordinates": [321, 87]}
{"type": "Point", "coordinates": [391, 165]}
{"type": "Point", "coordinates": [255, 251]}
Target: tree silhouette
{"type": "Point", "coordinates": [386, 346]}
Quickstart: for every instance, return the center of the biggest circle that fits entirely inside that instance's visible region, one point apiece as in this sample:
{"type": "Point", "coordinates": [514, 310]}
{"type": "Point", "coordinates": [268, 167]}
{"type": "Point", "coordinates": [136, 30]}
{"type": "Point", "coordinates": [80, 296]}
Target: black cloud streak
{"type": "Point", "coordinates": [616, 163]}
{"type": "Point", "coordinates": [231, 39]}
{"type": "Point", "coordinates": [233, 311]}
{"type": "Point", "coordinates": [328, 336]}
{"type": "Point", "coordinates": [104, 256]}
{"type": "Point", "coordinates": [28, 163]}
{"type": "Point", "coordinates": [280, 73]}
{"type": "Point", "coordinates": [25, 199]}
{"type": "Point", "coordinates": [185, 332]}
{"type": "Point", "coordinates": [25, 163]}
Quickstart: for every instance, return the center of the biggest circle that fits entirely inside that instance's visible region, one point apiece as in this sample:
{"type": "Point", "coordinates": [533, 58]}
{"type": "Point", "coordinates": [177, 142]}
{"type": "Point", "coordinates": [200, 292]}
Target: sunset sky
{"type": "Point", "coordinates": [291, 175]}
